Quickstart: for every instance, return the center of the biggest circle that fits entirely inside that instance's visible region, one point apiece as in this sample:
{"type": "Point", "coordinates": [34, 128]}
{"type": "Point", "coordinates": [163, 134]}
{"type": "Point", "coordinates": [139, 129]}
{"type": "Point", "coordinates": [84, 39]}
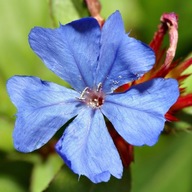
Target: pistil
{"type": "Point", "coordinates": [93, 97]}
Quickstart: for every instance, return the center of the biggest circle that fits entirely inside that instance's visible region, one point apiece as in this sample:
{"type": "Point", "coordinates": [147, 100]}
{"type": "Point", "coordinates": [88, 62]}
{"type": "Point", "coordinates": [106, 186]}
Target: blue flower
{"type": "Point", "coordinates": [94, 62]}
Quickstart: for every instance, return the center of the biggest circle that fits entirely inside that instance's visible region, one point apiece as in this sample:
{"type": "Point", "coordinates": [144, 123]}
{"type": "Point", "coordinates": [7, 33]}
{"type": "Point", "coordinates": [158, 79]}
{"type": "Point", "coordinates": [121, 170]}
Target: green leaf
{"type": "Point", "coordinates": [44, 172]}
{"type": "Point", "coordinates": [67, 181]}
{"type": "Point", "coordinates": [9, 185]}
{"type": "Point", "coordinates": [6, 127]}
{"type": "Point", "coordinates": [16, 57]}
{"type": "Point", "coordinates": [165, 166]}
{"type": "Point", "coordinates": [14, 176]}
{"type": "Point", "coordinates": [130, 11]}
{"type": "Point", "coordinates": [66, 11]}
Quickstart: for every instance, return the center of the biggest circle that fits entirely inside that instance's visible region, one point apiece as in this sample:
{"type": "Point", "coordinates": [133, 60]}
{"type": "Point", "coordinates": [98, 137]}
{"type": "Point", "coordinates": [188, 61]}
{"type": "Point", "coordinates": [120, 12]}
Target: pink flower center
{"type": "Point", "coordinates": [93, 97]}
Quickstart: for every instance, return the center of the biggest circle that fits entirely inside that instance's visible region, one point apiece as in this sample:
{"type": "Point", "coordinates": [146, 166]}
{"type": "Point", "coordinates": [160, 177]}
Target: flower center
{"type": "Point", "coordinates": [93, 98]}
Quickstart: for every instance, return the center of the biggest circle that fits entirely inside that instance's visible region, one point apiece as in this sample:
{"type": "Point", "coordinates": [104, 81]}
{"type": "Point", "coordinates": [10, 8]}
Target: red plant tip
{"type": "Point", "coordinates": [94, 7]}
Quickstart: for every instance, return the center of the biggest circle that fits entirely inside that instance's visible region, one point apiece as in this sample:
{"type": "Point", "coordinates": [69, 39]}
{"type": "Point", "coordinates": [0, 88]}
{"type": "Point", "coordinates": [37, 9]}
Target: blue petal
{"type": "Point", "coordinates": [43, 107]}
{"type": "Point", "coordinates": [122, 58]}
{"type": "Point", "coordinates": [88, 149]}
{"type": "Point", "coordinates": [138, 114]}
{"type": "Point", "coordinates": [71, 51]}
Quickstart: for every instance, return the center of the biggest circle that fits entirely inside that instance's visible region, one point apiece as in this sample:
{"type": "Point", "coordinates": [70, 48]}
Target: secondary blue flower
{"type": "Point", "coordinates": [95, 62]}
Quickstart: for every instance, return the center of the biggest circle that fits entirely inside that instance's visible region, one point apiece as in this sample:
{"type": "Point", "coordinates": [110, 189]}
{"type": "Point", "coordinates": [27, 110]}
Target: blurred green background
{"type": "Point", "coordinates": [163, 168]}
